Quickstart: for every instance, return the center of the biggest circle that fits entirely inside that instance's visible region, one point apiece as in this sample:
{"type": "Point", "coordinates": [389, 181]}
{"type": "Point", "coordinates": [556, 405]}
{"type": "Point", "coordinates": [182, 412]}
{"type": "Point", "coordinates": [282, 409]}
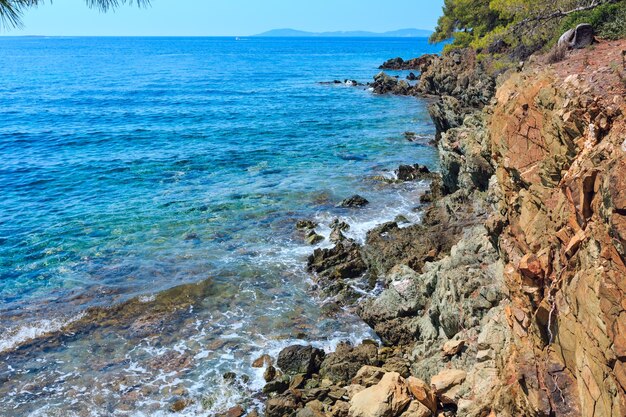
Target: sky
{"type": "Point", "coordinates": [227, 17]}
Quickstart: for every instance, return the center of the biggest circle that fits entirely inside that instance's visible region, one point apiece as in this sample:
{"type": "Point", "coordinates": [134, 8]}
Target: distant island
{"type": "Point", "coordinates": [402, 33]}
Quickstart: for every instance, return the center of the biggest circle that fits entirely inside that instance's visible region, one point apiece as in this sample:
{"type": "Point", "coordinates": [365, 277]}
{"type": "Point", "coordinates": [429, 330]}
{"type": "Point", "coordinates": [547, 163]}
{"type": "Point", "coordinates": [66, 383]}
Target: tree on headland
{"type": "Point", "coordinates": [526, 25]}
{"type": "Point", "coordinates": [11, 11]}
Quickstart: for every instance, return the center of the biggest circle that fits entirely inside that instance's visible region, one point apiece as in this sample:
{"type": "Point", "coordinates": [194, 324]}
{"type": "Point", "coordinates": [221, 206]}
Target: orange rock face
{"type": "Point", "coordinates": [561, 169]}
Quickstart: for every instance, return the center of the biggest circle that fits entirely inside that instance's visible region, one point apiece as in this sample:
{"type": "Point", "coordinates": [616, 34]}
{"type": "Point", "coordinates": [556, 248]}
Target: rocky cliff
{"type": "Point", "coordinates": [509, 299]}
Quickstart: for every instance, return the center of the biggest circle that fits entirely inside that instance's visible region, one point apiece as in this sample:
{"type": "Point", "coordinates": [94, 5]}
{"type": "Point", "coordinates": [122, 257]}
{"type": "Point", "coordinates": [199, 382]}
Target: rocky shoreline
{"type": "Point", "coordinates": [507, 299]}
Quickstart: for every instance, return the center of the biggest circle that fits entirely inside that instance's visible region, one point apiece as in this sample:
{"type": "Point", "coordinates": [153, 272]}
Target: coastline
{"type": "Point", "coordinates": [474, 297]}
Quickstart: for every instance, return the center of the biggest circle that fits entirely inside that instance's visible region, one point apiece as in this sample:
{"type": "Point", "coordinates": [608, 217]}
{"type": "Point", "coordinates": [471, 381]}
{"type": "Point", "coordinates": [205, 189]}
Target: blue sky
{"type": "Point", "coordinates": [228, 17]}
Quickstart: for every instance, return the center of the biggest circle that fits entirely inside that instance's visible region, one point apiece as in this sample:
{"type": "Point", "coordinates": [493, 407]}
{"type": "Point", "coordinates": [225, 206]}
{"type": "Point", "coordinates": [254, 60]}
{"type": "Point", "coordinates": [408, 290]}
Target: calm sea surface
{"type": "Point", "coordinates": [150, 188]}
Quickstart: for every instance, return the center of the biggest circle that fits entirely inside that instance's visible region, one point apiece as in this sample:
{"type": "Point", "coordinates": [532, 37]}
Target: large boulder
{"type": "Point", "coordinates": [389, 398]}
{"type": "Point", "coordinates": [578, 38]}
{"type": "Point", "coordinates": [298, 359]}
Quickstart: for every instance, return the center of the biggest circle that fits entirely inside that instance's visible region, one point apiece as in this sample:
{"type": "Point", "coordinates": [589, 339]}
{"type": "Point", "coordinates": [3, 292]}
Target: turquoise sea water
{"type": "Point", "coordinates": [132, 166]}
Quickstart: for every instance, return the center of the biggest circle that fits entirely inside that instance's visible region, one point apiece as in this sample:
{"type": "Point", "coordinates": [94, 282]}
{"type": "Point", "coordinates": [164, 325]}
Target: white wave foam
{"type": "Point", "coordinates": [16, 336]}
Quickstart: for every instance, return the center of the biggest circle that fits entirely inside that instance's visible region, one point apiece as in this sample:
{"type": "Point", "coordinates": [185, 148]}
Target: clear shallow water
{"type": "Point", "coordinates": [132, 166]}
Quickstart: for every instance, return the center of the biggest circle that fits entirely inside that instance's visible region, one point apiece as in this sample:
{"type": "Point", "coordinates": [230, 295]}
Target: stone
{"type": "Point", "coordinates": [305, 224]}
{"type": "Point", "coordinates": [262, 361]}
{"type": "Point", "coordinates": [580, 37]}
{"type": "Point", "coordinates": [281, 405]}
{"type": "Point", "coordinates": [422, 393]}
{"type": "Point", "coordinates": [314, 408]}
{"type": "Point", "coordinates": [453, 347]}
{"type": "Point", "coordinates": [298, 359]}
{"type": "Point", "coordinates": [313, 238]}
{"type": "Point", "coordinates": [368, 376]}
{"type": "Point", "coordinates": [236, 411]}
{"type": "Point", "coordinates": [412, 172]}
{"type": "Point", "coordinates": [344, 260]}
{"type": "Point", "coordinates": [417, 409]}
{"type": "Point", "coordinates": [270, 373]}
{"type": "Point", "coordinates": [389, 398]}
{"type": "Point", "coordinates": [278, 386]}
{"type": "Point", "coordinates": [343, 365]}
{"type": "Point", "coordinates": [446, 384]}
{"type": "Point", "coordinates": [356, 201]}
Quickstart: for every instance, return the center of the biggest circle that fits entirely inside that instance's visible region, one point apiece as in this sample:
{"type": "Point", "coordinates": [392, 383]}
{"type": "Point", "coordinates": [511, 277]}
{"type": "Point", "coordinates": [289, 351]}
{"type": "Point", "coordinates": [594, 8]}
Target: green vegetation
{"type": "Point", "coordinates": [608, 20]}
{"type": "Point", "coordinates": [521, 27]}
{"type": "Point", "coordinates": [11, 10]}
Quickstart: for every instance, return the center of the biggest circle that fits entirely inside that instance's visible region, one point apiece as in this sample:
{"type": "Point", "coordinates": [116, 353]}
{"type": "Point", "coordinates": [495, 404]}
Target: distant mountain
{"type": "Point", "coordinates": [402, 33]}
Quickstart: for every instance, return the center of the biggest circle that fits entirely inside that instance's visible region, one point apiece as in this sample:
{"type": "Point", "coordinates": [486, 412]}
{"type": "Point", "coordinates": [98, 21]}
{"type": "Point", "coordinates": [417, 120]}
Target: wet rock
{"type": "Point", "coordinates": [312, 238]}
{"type": "Point", "coordinates": [336, 236]}
{"type": "Point", "coordinates": [270, 373]}
{"type": "Point", "coordinates": [179, 405]}
{"type": "Point", "coordinates": [356, 201]}
{"type": "Point", "coordinates": [261, 361]}
{"type": "Point", "coordinates": [300, 360]}
{"type": "Point", "coordinates": [413, 172]}
{"type": "Point", "coordinates": [236, 411]}
{"type": "Point", "coordinates": [580, 37]}
{"type": "Point", "coordinates": [339, 225]}
{"type": "Point", "coordinates": [305, 225]}
{"type": "Point", "coordinates": [389, 398]}
{"type": "Point", "coordinates": [342, 365]}
{"type": "Point", "coordinates": [386, 84]}
{"type": "Point", "coordinates": [412, 77]}
{"type": "Point", "coordinates": [342, 261]}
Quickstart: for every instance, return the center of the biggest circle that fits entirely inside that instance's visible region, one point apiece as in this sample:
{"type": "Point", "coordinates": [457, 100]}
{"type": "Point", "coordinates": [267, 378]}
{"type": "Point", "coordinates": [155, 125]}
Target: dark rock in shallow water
{"type": "Point", "coordinates": [298, 359]}
{"type": "Point", "coordinates": [356, 201]}
{"type": "Point", "coordinates": [339, 225]}
{"type": "Point", "coordinates": [420, 64]}
{"type": "Point", "coordinates": [411, 77]}
{"type": "Point", "coordinates": [305, 224]}
{"type": "Point", "coordinates": [413, 172]}
{"type": "Point", "coordinates": [384, 84]}
{"type": "Point", "coordinates": [342, 261]}
{"type": "Point", "coordinates": [343, 364]}
{"type": "Point", "coordinates": [313, 238]}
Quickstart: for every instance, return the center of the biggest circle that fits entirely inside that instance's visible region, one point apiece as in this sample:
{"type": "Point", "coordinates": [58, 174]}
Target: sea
{"type": "Point", "coordinates": [150, 190]}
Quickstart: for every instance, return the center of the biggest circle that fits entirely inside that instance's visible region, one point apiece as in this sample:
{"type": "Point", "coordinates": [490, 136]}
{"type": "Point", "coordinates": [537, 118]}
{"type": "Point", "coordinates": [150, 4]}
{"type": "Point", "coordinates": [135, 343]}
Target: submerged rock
{"type": "Point", "coordinates": [356, 201]}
